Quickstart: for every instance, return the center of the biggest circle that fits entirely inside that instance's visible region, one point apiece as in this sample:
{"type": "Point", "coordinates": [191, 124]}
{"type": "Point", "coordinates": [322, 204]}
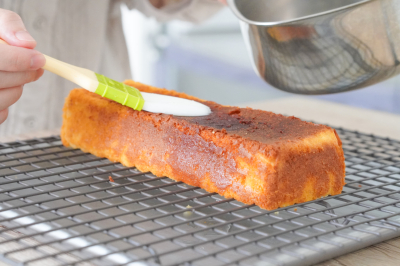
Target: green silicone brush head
{"type": "Point", "coordinates": [119, 92]}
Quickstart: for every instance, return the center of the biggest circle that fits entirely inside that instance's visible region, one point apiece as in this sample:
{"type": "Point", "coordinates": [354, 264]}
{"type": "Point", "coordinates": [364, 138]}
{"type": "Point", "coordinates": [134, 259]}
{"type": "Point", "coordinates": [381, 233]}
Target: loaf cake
{"type": "Point", "coordinates": [253, 156]}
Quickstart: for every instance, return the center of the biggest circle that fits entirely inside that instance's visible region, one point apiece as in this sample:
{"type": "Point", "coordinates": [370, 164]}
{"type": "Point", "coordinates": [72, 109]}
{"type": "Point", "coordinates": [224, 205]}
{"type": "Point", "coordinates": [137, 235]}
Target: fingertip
{"type": "Point", "coordinates": [38, 61]}
{"type": "Point", "coordinates": [3, 115]}
{"type": "Point", "coordinates": [39, 73]}
{"type": "Point", "coordinates": [18, 92]}
{"type": "Point", "coordinates": [13, 30]}
{"type": "Point", "coordinates": [20, 39]}
{"type": "Point", "coordinates": [25, 38]}
{"type": "Point", "coordinates": [10, 96]}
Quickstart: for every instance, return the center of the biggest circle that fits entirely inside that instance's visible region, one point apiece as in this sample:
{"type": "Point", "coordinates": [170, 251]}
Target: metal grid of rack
{"type": "Point", "coordinates": [59, 206]}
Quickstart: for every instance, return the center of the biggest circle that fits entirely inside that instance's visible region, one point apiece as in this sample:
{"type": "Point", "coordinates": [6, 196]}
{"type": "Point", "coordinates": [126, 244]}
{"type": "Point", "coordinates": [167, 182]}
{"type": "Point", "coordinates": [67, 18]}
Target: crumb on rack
{"type": "Point", "coordinates": [359, 185]}
{"type": "Point", "coordinates": [295, 209]}
{"type": "Point", "coordinates": [188, 213]}
{"type": "Point", "coordinates": [276, 213]}
{"type": "Point", "coordinates": [111, 179]}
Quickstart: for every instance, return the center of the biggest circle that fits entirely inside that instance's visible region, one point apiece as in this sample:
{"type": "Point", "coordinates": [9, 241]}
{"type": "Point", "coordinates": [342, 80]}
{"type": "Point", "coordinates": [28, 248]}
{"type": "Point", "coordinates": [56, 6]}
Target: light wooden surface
{"type": "Point", "coordinates": [386, 253]}
{"type": "Point", "coordinates": [363, 120]}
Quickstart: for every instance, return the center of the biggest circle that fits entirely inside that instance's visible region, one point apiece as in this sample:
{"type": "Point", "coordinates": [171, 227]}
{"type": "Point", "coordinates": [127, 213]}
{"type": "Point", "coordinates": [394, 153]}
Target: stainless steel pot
{"type": "Point", "coordinates": [321, 46]}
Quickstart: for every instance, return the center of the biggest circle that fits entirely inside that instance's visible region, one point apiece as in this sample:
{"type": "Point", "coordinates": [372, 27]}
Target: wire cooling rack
{"type": "Point", "coordinates": [60, 207]}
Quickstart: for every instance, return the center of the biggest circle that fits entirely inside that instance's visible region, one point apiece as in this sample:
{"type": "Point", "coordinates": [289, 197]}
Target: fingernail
{"type": "Point", "coordinates": [24, 36]}
{"type": "Point", "coordinates": [37, 61]}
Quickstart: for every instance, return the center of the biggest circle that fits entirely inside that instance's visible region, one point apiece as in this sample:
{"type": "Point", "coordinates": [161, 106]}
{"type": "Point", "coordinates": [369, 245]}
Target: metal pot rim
{"type": "Point", "coordinates": [232, 5]}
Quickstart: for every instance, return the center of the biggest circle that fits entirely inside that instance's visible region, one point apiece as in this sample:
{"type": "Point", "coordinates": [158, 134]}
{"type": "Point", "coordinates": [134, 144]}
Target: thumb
{"type": "Point", "coordinates": [13, 30]}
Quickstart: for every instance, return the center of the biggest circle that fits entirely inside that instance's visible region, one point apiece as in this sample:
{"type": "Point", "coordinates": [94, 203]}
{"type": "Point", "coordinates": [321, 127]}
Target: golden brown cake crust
{"type": "Point", "coordinates": [251, 155]}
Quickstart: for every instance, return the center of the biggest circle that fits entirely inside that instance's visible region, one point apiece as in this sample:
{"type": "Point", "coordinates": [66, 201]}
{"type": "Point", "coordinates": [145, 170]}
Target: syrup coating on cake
{"type": "Point", "coordinates": [263, 126]}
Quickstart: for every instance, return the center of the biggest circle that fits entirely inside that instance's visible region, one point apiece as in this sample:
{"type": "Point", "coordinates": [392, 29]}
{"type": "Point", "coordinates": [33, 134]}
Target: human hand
{"type": "Point", "coordinates": [19, 63]}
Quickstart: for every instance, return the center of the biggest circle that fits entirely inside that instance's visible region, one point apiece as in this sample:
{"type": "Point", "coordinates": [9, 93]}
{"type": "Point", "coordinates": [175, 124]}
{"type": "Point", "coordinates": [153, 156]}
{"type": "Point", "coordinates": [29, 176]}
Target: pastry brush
{"type": "Point", "coordinates": [124, 94]}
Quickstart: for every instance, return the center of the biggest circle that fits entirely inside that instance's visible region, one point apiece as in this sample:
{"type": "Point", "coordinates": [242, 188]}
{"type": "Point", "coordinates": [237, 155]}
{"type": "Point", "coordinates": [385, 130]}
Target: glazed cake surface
{"type": "Point", "coordinates": [254, 156]}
